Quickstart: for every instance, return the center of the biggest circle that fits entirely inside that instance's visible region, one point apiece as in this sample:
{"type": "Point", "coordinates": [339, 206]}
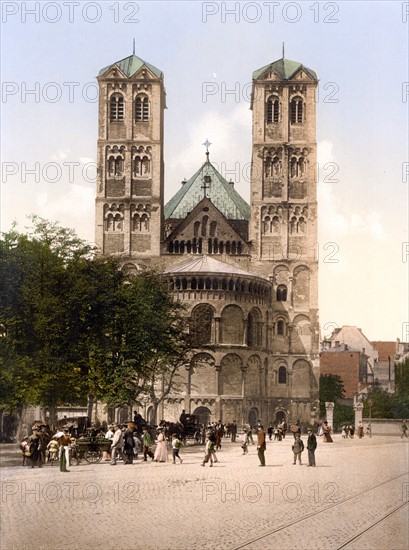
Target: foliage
{"type": "Point", "coordinates": [331, 389]}
{"type": "Point", "coordinates": [149, 342]}
{"type": "Point", "coordinates": [73, 326]}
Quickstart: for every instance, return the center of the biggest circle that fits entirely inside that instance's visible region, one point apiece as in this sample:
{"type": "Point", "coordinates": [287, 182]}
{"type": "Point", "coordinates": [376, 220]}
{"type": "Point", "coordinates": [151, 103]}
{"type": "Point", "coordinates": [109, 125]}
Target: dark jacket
{"type": "Point", "coordinates": [311, 442]}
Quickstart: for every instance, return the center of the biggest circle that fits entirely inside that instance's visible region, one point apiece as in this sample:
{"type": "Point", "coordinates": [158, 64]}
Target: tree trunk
{"type": "Point", "coordinates": [90, 406]}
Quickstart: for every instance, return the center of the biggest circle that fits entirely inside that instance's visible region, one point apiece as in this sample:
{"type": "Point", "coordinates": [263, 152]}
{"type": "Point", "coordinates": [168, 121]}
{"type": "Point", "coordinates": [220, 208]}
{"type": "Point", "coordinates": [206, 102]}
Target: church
{"type": "Point", "coordinates": [248, 273]}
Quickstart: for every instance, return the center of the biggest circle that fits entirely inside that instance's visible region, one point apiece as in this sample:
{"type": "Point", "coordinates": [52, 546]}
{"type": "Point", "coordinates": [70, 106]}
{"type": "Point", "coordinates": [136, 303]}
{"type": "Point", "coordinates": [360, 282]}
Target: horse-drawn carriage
{"type": "Point", "coordinates": [188, 429]}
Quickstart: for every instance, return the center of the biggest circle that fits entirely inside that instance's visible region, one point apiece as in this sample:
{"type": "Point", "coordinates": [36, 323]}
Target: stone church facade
{"type": "Point", "coordinates": [248, 273]}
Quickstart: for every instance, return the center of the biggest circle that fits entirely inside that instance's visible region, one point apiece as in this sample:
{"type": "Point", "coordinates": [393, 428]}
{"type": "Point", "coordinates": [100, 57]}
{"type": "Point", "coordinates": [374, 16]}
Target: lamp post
{"type": "Point", "coordinates": [370, 403]}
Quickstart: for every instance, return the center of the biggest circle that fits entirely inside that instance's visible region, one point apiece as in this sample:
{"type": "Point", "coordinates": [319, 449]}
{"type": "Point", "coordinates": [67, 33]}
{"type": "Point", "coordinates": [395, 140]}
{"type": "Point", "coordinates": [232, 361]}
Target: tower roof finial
{"type": "Point", "coordinates": [134, 46]}
{"type": "Point", "coordinates": [207, 144]}
{"type": "Point", "coordinates": [283, 50]}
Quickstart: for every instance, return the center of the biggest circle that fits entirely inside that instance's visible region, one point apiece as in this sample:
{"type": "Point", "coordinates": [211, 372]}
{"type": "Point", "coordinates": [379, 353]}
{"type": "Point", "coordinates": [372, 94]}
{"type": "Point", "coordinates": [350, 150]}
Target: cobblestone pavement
{"type": "Point", "coordinates": [356, 498]}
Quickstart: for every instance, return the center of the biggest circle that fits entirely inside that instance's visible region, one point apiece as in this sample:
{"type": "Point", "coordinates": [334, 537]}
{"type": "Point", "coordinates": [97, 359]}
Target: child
{"type": "Point", "coordinates": [245, 439]}
{"type": "Point", "coordinates": [209, 450]}
{"type": "Point", "coordinates": [298, 448]}
{"type": "Point", "coordinates": [176, 445]}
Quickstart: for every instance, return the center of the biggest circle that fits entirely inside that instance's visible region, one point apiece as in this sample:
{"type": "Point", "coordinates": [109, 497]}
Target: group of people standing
{"type": "Point", "coordinates": [297, 446]}
{"type": "Point", "coordinates": [127, 445]}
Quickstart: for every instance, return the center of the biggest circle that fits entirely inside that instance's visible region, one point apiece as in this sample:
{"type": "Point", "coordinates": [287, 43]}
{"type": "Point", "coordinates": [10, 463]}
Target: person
{"type": "Point", "coordinates": [327, 432]}
{"type": "Point", "coordinates": [261, 445]}
{"type": "Point", "coordinates": [298, 448]}
{"type": "Point", "coordinates": [360, 430]}
{"type": "Point", "coordinates": [64, 442]}
{"type": "Point", "coordinates": [250, 434]}
{"type": "Point", "coordinates": [176, 446]}
{"type": "Point", "coordinates": [245, 440]}
{"type": "Point", "coordinates": [311, 446]}
{"type": "Point", "coordinates": [25, 449]}
{"type": "Point", "coordinates": [147, 442]}
{"type": "Point", "coordinates": [213, 439]}
{"type": "Point", "coordinates": [138, 445]}
{"type": "Point", "coordinates": [161, 452]}
{"type": "Point", "coordinates": [344, 432]}
{"type": "Point", "coordinates": [233, 431]}
{"type": "Point", "coordinates": [209, 450]}
{"type": "Point", "coordinates": [296, 429]}
{"type": "Point", "coordinates": [52, 450]}
{"type": "Point", "coordinates": [351, 431]}
{"type": "Point", "coordinates": [117, 444]}
{"type": "Point", "coordinates": [270, 431]}
{"type": "Point", "coordinates": [129, 443]}
{"type": "Point", "coordinates": [182, 418]}
{"type": "Point", "coordinates": [109, 434]}
{"type": "Point", "coordinates": [34, 448]}
{"type": "Point", "coordinates": [404, 429]}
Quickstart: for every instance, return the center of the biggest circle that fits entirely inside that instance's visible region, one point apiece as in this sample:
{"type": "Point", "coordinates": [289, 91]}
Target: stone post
{"type": "Point", "coordinates": [329, 409]}
{"type": "Point", "coordinates": [358, 408]}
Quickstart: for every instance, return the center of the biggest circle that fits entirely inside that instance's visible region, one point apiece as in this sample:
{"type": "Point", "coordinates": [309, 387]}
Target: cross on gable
{"type": "Point", "coordinates": [206, 179]}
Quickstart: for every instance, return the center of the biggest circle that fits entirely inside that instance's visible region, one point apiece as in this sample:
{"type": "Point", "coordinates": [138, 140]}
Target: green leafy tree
{"type": "Point", "coordinates": [382, 402]}
{"type": "Point", "coordinates": [34, 318]}
{"type": "Point", "coordinates": [149, 343]}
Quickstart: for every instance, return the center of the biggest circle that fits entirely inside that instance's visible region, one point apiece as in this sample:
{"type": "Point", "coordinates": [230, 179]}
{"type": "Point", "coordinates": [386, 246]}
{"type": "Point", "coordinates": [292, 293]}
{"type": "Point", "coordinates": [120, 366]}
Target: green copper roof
{"type": "Point", "coordinates": [284, 68]}
{"type": "Point", "coordinates": [219, 191]}
{"type": "Point", "coordinates": [130, 65]}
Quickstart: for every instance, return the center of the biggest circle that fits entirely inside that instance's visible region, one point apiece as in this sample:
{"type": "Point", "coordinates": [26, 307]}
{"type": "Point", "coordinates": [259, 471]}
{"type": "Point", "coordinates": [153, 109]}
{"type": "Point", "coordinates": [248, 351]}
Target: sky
{"type": "Point", "coordinates": [51, 53]}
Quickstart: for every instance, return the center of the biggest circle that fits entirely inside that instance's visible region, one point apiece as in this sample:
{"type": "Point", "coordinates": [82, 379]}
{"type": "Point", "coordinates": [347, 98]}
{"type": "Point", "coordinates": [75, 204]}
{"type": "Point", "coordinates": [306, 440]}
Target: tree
{"type": "Point", "coordinates": [382, 402]}
{"type": "Point", "coordinates": [34, 318]}
{"type": "Point", "coordinates": [149, 343]}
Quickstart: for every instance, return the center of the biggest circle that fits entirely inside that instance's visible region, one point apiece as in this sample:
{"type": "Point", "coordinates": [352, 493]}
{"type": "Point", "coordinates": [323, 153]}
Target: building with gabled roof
{"type": "Point", "coordinates": [248, 273]}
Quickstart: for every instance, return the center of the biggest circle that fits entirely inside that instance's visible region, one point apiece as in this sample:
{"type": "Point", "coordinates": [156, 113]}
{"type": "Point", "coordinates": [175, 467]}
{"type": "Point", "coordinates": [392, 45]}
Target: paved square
{"type": "Point", "coordinates": [356, 498]}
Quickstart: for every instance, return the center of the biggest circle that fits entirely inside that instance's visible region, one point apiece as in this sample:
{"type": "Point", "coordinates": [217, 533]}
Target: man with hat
{"type": "Point", "coordinates": [311, 446]}
{"type": "Point", "coordinates": [117, 444]}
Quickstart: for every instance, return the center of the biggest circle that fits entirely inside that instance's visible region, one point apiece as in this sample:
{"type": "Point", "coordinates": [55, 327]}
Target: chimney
{"type": "Point", "coordinates": [183, 181]}
{"type": "Point", "coordinates": [231, 182]}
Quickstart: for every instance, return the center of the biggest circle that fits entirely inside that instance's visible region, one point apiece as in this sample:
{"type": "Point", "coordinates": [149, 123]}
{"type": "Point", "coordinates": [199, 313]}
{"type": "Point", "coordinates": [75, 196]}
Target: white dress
{"type": "Point", "coordinates": [161, 452]}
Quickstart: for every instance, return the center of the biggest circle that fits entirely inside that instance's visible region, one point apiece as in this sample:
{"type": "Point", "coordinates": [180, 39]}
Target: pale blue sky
{"type": "Point", "coordinates": [362, 58]}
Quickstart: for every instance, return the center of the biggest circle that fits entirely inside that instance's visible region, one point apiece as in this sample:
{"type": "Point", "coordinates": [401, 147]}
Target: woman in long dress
{"type": "Point", "coordinates": [161, 451]}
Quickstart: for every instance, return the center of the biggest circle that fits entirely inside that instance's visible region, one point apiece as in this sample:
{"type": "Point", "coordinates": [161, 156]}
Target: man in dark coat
{"type": "Point", "coordinates": [261, 445]}
{"type": "Point", "coordinates": [34, 443]}
{"type": "Point", "coordinates": [311, 446]}
{"type": "Point", "coordinates": [233, 431]}
{"type": "Point", "coordinates": [129, 444]}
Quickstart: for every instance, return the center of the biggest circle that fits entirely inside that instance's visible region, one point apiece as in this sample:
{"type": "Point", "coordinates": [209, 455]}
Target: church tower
{"type": "Point", "coordinates": [130, 170]}
{"type": "Point", "coordinates": [283, 224]}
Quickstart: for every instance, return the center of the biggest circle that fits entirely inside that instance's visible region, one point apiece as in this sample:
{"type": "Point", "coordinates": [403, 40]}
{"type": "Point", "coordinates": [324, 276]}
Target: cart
{"type": "Point", "coordinates": [91, 448]}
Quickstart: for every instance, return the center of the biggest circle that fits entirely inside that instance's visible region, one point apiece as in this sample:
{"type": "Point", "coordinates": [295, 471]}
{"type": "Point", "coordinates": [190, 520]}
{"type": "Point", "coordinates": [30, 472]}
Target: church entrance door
{"type": "Point", "coordinates": [253, 417]}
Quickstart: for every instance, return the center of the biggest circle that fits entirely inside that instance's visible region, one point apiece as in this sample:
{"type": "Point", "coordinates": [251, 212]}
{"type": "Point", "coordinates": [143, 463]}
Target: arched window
{"type": "Point", "coordinates": [281, 293]}
{"type": "Point", "coordinates": [282, 375]}
{"type": "Point", "coordinates": [296, 110]}
{"type": "Point", "coordinates": [141, 109]}
{"type": "Point", "coordinates": [273, 110]}
{"type": "Point", "coordinates": [280, 328]}
{"type": "Point", "coordinates": [116, 107]}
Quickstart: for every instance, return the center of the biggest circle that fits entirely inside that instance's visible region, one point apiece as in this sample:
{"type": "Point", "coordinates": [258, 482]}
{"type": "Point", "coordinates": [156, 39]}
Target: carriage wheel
{"type": "Point", "coordinates": [93, 456]}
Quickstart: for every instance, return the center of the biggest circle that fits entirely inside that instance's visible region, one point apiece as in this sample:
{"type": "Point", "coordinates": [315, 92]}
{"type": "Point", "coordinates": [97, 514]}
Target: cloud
{"type": "Point", "coordinates": [339, 217]}
{"type": "Point", "coordinates": [61, 154]}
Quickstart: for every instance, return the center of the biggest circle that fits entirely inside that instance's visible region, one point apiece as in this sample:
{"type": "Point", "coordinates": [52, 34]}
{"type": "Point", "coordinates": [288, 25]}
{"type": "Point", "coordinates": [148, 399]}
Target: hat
{"type": "Point", "coordinates": [309, 430]}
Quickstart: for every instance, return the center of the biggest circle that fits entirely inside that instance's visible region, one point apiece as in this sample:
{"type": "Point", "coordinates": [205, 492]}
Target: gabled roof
{"type": "Point", "coordinates": [285, 69]}
{"type": "Point", "coordinates": [208, 264]}
{"type": "Point", "coordinates": [219, 191]}
{"type": "Point", "coordinates": [130, 65]}
{"type": "Point", "coordinates": [211, 211]}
